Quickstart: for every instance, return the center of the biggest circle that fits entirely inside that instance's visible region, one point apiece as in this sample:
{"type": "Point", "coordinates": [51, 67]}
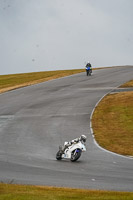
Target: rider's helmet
{"type": "Point", "coordinates": [83, 138]}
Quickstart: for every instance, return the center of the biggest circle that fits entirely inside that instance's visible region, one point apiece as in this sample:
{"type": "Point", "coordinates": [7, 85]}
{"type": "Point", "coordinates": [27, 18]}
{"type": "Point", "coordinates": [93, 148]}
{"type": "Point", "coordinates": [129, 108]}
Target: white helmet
{"type": "Point", "coordinates": [83, 138]}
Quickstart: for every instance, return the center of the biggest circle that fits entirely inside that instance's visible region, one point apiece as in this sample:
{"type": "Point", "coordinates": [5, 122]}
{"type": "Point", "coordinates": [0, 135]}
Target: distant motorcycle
{"type": "Point", "coordinates": [73, 152]}
{"type": "Point", "coordinates": [88, 71]}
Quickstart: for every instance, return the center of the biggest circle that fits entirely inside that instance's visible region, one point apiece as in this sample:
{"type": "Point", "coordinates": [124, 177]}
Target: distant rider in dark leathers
{"type": "Point", "coordinates": [88, 69]}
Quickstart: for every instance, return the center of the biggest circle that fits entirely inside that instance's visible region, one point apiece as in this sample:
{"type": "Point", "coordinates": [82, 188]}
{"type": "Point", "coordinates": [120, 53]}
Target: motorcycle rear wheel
{"type": "Point", "coordinates": [59, 155]}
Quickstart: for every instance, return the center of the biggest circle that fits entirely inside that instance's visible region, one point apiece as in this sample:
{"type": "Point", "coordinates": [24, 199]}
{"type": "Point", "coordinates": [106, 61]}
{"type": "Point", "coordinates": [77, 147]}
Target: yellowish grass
{"type": "Point", "coordinates": [113, 123]}
{"type": "Point", "coordinates": [128, 84]}
{"type": "Point", "coordinates": [13, 81]}
{"type": "Point", "coordinates": [24, 192]}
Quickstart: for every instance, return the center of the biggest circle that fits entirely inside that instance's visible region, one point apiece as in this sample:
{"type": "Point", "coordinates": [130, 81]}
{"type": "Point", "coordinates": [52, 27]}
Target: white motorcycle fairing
{"type": "Point", "coordinates": [76, 146]}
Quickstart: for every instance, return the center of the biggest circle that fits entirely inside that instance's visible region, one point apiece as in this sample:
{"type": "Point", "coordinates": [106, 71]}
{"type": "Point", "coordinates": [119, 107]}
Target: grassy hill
{"type": "Point", "coordinates": [13, 81]}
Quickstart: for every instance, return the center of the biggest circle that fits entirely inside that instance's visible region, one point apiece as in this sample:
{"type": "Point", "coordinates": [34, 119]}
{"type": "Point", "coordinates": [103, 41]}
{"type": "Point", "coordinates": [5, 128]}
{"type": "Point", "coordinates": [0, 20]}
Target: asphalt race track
{"type": "Point", "coordinates": [35, 120]}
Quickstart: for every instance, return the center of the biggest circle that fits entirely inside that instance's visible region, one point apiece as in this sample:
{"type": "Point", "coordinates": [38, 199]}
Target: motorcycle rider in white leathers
{"type": "Point", "coordinates": [82, 138]}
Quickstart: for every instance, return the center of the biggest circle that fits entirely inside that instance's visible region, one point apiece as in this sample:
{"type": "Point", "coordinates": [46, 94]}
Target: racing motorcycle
{"type": "Point", "coordinates": [88, 71]}
{"type": "Point", "coordinates": [72, 152]}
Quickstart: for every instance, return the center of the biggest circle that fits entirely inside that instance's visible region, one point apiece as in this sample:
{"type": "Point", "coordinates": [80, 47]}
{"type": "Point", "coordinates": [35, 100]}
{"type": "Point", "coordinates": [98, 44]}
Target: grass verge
{"type": "Point", "coordinates": [24, 192]}
{"type": "Point", "coordinates": [128, 84]}
{"type": "Point", "coordinates": [13, 81]}
{"type": "Point", "coordinates": [113, 123]}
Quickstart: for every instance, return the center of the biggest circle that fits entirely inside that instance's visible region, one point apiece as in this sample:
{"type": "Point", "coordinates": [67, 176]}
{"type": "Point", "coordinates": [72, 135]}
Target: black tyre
{"type": "Point", "coordinates": [75, 155]}
{"type": "Point", "coordinates": [59, 155]}
{"type": "Point", "coordinates": [89, 72]}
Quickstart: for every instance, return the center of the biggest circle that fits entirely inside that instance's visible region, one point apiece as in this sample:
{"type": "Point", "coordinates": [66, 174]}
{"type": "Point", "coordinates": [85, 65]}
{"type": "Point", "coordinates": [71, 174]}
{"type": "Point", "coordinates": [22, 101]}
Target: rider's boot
{"type": "Point", "coordinates": [61, 149]}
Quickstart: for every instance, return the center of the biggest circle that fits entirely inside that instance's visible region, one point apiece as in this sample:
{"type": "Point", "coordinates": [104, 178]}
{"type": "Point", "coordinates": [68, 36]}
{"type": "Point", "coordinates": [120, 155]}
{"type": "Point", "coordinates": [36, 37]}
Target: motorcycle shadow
{"type": "Point", "coordinates": [68, 161]}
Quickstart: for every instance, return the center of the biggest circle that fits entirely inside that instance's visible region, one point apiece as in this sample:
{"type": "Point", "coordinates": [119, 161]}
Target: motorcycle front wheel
{"type": "Point", "coordinates": [75, 155]}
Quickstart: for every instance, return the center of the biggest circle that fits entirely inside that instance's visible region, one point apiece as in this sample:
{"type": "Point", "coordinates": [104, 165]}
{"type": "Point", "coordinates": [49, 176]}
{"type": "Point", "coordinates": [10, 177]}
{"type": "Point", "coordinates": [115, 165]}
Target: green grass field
{"type": "Point", "coordinates": [24, 192]}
